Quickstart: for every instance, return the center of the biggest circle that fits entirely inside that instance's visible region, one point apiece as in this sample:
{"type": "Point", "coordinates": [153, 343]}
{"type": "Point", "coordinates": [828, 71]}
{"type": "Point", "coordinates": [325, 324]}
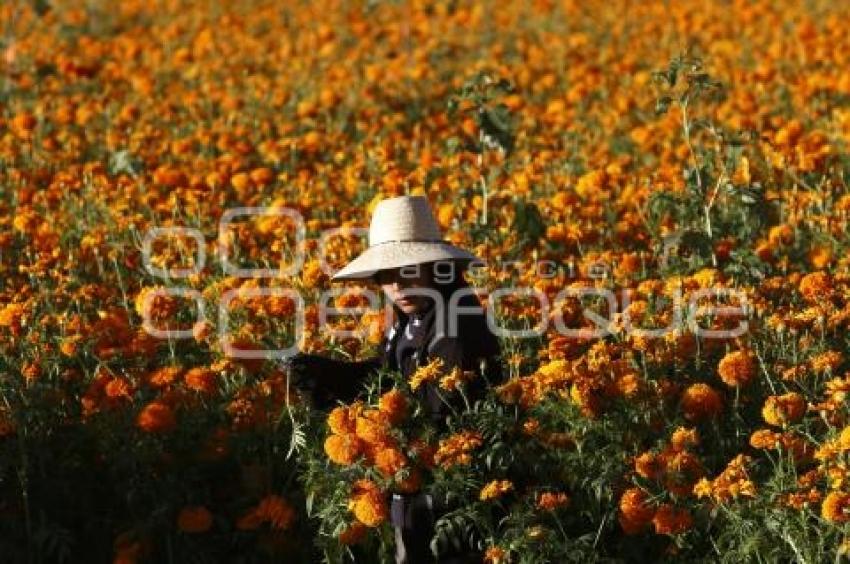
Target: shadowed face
{"type": "Point", "coordinates": [397, 284]}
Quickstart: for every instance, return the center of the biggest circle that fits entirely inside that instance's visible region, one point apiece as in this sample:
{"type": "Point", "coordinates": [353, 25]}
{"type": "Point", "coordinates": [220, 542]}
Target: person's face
{"type": "Point", "coordinates": [397, 283]}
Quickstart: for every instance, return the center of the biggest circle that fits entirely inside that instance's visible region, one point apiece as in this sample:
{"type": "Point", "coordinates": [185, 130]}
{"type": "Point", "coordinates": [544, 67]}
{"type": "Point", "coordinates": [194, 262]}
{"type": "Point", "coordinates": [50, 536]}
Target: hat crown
{"type": "Point", "coordinates": [405, 218]}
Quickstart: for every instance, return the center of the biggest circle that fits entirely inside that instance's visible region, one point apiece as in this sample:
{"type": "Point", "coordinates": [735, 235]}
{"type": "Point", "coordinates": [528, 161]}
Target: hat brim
{"type": "Point", "coordinates": [400, 253]}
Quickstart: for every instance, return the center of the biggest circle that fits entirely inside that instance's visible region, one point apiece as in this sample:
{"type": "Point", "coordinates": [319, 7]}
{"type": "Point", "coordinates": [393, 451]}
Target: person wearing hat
{"type": "Point", "coordinates": [409, 259]}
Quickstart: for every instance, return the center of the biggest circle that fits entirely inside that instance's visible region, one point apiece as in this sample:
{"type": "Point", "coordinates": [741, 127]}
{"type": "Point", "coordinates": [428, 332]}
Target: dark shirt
{"type": "Point", "coordinates": [413, 341]}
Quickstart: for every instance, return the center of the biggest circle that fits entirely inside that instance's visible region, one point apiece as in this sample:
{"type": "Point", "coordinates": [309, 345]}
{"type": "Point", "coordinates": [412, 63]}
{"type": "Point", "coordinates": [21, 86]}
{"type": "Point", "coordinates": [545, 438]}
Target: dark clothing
{"type": "Point", "coordinates": [413, 341]}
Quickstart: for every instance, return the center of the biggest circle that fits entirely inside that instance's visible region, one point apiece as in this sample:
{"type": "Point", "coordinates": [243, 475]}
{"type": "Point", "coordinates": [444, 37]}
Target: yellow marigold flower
{"type": "Point", "coordinates": [197, 519]}
{"type": "Point", "coordinates": [428, 373]}
{"type": "Point", "coordinates": [494, 489]}
{"type": "Point", "coordinates": [844, 438]}
{"type": "Point", "coordinates": [737, 368]}
{"type": "Point", "coordinates": [836, 507]}
{"type": "Point", "coordinates": [784, 409]}
{"type": "Point", "coordinates": [703, 488]}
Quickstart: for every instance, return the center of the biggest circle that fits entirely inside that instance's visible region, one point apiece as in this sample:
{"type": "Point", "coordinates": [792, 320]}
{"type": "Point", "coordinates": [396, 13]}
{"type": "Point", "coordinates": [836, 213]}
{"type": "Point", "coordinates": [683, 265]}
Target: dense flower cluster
{"type": "Point", "coordinates": [595, 163]}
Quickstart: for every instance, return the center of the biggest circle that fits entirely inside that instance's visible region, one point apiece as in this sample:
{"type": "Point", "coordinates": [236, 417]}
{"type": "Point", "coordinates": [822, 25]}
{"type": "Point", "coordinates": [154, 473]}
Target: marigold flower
{"type": "Point", "coordinates": [118, 388]}
{"type": "Point", "coordinates": [784, 409]}
{"type": "Point", "coordinates": [494, 489]}
{"type": "Point", "coordinates": [648, 465]}
{"type": "Point", "coordinates": [393, 405]}
{"type": "Point", "coordinates": [194, 519]}
{"type": "Point", "coordinates": [671, 520]}
{"type": "Point", "coordinates": [343, 449]}
{"type": "Point", "coordinates": [342, 420]}
{"type": "Point", "coordinates": [455, 379]}
{"type": "Point", "coordinates": [201, 379]}
{"type": "Point", "coordinates": [550, 501]}
{"type": "Point", "coordinates": [389, 461]}
{"type": "Point", "coordinates": [683, 438]}
{"type": "Point", "coordinates": [372, 427]}
{"type": "Point", "coordinates": [156, 417]}
{"type": "Point", "coordinates": [495, 555]}
{"type": "Point", "coordinates": [836, 507]}
{"type": "Point", "coordinates": [764, 439]}
{"type": "Point", "coordinates": [635, 511]}
{"type": "Point", "coordinates": [368, 504]}
{"type": "Point", "coordinates": [456, 449]}
{"type": "Point", "coordinates": [353, 534]}
{"type": "Point", "coordinates": [737, 368]}
{"type": "Point", "coordinates": [276, 511]}
{"type": "Point", "coordinates": [815, 286]}
{"type": "Point", "coordinates": [428, 373]}
{"type": "Point", "coordinates": [701, 401]}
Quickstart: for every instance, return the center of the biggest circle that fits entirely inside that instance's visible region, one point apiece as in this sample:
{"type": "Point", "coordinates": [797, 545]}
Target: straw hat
{"type": "Point", "coordinates": [403, 232]}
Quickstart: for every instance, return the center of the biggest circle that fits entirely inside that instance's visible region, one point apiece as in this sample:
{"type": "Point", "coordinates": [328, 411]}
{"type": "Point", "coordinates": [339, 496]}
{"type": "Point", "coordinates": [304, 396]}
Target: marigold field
{"type": "Point", "coordinates": [665, 151]}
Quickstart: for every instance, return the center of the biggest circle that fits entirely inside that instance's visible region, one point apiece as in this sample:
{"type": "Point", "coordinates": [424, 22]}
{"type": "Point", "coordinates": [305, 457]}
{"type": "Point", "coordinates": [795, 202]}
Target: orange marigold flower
{"type": "Point", "coordinates": [164, 376]}
{"type": "Point", "coordinates": [194, 519]}
{"type": "Point", "coordinates": [671, 520]}
{"type": "Point", "coordinates": [648, 465]}
{"type": "Point", "coordinates": [368, 504]}
{"type": "Point", "coordinates": [836, 507]}
{"type": "Point", "coordinates": [737, 368]}
{"type": "Point", "coordinates": [118, 388]}
{"type": "Point", "coordinates": [456, 449]}
{"type": "Point", "coordinates": [276, 511]}
{"type": "Point", "coordinates": [372, 427]}
{"type": "Point", "coordinates": [701, 401]}
{"type": "Point", "coordinates": [156, 417]}
{"type": "Point", "coordinates": [201, 379]}
{"type": "Point", "coordinates": [343, 449]}
{"type": "Point", "coordinates": [353, 534]}
{"type": "Point", "coordinates": [826, 361]}
{"type": "Point", "coordinates": [494, 489]}
{"type": "Point", "coordinates": [550, 501]}
{"type": "Point", "coordinates": [389, 461]}
{"type": "Point", "coordinates": [495, 555]}
{"type": "Point", "coordinates": [784, 409]}
{"type": "Point", "coordinates": [683, 438]}
{"type": "Point", "coordinates": [635, 511]}
{"type": "Point", "coordinates": [393, 405]}
{"type": "Point", "coordinates": [765, 439]}
{"type": "Point", "coordinates": [455, 379]}
{"type": "Point", "coordinates": [343, 420]}
{"type": "Point", "coordinates": [815, 286]}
